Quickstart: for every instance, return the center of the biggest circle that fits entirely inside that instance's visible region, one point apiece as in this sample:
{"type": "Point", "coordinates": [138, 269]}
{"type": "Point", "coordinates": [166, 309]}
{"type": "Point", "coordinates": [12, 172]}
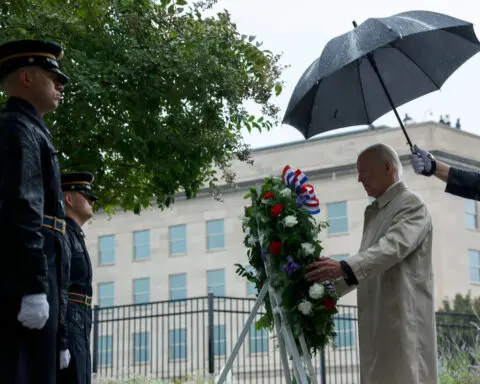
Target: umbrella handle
{"type": "Point", "coordinates": [377, 72]}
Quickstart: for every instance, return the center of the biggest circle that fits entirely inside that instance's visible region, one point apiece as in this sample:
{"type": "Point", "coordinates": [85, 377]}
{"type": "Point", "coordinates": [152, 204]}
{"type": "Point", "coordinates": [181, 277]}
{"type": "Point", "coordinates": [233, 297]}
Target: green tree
{"type": "Point", "coordinates": [458, 325]}
{"type": "Point", "coordinates": [462, 304]}
{"type": "Point", "coordinates": [157, 93]}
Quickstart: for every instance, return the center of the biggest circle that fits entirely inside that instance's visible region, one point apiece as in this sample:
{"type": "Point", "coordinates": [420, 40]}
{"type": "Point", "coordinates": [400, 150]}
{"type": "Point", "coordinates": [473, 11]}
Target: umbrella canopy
{"type": "Point", "coordinates": [381, 64]}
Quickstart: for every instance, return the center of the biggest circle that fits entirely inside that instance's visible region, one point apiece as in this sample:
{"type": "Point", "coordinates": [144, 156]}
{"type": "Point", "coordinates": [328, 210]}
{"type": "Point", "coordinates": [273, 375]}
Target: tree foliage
{"type": "Point", "coordinates": [458, 324]}
{"type": "Point", "coordinates": [156, 100]}
{"type": "Point", "coordinates": [462, 304]}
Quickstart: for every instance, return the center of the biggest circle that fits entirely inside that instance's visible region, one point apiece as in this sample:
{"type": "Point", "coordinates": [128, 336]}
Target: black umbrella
{"type": "Point", "coordinates": [381, 64]}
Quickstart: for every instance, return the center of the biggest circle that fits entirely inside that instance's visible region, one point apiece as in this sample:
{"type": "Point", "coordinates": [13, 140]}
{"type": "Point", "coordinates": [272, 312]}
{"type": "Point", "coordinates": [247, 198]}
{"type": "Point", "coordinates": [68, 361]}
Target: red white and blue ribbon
{"type": "Point", "coordinates": [297, 181]}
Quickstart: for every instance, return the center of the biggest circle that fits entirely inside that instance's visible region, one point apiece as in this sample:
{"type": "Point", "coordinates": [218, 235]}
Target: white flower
{"type": "Point", "coordinates": [247, 231]}
{"type": "Point", "coordinates": [286, 192]}
{"type": "Point", "coordinates": [252, 240]}
{"type": "Point", "coordinates": [308, 248]}
{"type": "Point", "coordinates": [305, 307]}
{"type": "Point", "coordinates": [290, 221]}
{"type": "Point", "coordinates": [316, 291]}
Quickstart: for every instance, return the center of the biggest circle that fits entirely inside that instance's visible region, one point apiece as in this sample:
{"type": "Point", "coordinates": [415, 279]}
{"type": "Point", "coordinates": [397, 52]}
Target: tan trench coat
{"type": "Point", "coordinates": [396, 316]}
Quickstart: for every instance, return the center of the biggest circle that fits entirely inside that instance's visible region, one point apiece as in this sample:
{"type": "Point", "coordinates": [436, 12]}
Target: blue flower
{"type": "Point", "coordinates": [301, 200]}
{"type": "Point", "coordinates": [331, 288]}
{"type": "Point", "coordinates": [290, 266]}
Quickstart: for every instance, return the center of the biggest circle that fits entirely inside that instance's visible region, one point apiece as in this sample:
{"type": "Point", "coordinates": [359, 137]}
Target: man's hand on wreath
{"type": "Point", "coordinates": [324, 269]}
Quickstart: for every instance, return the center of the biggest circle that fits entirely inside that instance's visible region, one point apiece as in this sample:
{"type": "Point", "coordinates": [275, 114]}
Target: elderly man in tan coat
{"type": "Point", "coordinates": [394, 275]}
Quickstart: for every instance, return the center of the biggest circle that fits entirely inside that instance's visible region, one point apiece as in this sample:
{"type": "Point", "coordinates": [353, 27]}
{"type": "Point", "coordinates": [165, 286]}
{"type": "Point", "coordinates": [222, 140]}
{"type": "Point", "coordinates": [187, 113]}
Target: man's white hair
{"type": "Point", "coordinates": [386, 154]}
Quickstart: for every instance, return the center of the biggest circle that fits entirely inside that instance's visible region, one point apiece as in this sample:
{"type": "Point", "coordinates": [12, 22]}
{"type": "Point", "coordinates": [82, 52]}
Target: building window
{"type": "Point", "coordinates": [177, 344]}
{"type": "Point", "coordinates": [178, 286]}
{"type": "Point", "coordinates": [345, 331]}
{"type": "Point", "coordinates": [178, 239]}
{"type": "Point", "coordinates": [215, 234]}
{"type": "Point", "coordinates": [474, 264]}
{"type": "Point", "coordinates": [105, 350]}
{"type": "Point", "coordinates": [219, 340]}
{"type": "Point", "coordinates": [470, 211]}
{"type": "Point", "coordinates": [216, 282]}
{"type": "Point", "coordinates": [141, 245]}
{"type": "Point", "coordinates": [106, 249]}
{"type": "Point", "coordinates": [141, 347]}
{"type": "Point", "coordinates": [337, 217]}
{"type": "Point", "coordinates": [141, 291]}
{"type": "Point", "coordinates": [258, 340]}
{"type": "Point", "coordinates": [106, 294]}
{"type": "Point", "coordinates": [339, 257]}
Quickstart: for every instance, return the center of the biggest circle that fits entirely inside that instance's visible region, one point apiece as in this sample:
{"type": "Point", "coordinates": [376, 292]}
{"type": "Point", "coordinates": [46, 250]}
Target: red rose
{"type": "Point", "coordinates": [275, 247]}
{"type": "Point", "coordinates": [268, 195]}
{"type": "Point", "coordinates": [329, 303]}
{"type": "Point", "coordinates": [276, 210]}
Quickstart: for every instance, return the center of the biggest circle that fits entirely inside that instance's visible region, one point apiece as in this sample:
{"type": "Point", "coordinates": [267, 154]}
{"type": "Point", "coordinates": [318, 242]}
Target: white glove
{"type": "Point", "coordinates": [420, 160]}
{"type": "Point", "coordinates": [34, 310]}
{"type": "Point", "coordinates": [64, 359]}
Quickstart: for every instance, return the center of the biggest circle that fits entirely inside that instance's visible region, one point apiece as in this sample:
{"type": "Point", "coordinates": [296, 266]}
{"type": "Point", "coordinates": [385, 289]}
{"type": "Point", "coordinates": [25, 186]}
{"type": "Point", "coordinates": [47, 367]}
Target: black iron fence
{"type": "Point", "coordinates": [173, 339]}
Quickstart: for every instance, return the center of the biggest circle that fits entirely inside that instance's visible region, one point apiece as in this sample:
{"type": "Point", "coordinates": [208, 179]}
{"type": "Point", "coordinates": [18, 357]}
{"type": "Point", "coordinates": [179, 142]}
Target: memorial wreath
{"type": "Point", "coordinates": [281, 235]}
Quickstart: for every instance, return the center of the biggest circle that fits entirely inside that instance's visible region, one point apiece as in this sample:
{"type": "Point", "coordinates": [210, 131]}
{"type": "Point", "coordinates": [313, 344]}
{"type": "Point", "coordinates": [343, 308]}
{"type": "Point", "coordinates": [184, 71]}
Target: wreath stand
{"type": "Point", "coordinates": [286, 340]}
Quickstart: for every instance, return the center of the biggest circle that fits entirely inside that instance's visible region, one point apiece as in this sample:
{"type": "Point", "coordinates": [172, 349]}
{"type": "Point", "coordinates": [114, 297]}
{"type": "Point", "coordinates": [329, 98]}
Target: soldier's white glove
{"type": "Point", "coordinates": [33, 312]}
{"type": "Point", "coordinates": [64, 359]}
{"type": "Point", "coordinates": [422, 161]}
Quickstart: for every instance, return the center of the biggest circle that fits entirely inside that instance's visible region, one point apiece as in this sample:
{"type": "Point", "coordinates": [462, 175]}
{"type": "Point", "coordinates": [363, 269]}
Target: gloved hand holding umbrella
{"type": "Point", "coordinates": [422, 161]}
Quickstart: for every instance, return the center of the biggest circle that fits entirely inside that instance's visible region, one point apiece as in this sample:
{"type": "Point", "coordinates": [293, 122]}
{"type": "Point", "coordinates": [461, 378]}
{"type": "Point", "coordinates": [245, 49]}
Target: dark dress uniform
{"type": "Point", "coordinates": [31, 223]}
{"type": "Point", "coordinates": [79, 309]}
{"type": "Point", "coordinates": [463, 183]}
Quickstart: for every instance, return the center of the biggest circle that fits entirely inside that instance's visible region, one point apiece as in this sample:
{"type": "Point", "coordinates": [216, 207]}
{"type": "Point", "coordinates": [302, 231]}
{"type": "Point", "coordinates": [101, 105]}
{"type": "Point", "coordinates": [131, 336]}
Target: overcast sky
{"type": "Point", "coordinates": [299, 29]}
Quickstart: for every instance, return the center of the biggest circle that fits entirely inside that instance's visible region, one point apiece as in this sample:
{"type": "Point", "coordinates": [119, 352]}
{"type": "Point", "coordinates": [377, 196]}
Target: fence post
{"type": "Point", "coordinates": [323, 366]}
{"type": "Point", "coordinates": [211, 357]}
{"type": "Point", "coordinates": [95, 339]}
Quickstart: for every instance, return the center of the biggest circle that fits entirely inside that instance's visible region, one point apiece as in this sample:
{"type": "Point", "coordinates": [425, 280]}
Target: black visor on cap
{"type": "Point", "coordinates": [23, 53]}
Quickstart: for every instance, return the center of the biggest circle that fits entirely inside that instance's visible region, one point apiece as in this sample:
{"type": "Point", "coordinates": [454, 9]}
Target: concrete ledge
{"type": "Point", "coordinates": [344, 170]}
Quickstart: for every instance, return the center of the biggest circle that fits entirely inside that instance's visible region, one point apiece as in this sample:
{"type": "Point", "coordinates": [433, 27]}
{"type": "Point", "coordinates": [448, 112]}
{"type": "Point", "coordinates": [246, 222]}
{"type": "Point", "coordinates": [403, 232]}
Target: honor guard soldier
{"type": "Point", "coordinates": [32, 215]}
{"type": "Point", "coordinates": [75, 361]}
{"type": "Point", "coordinates": [459, 182]}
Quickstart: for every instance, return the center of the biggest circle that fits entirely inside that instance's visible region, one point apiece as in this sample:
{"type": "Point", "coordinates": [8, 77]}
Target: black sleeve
{"type": "Point", "coordinates": [23, 200]}
{"type": "Point", "coordinates": [463, 183]}
{"type": "Point", "coordinates": [65, 261]}
{"type": "Point", "coordinates": [350, 277]}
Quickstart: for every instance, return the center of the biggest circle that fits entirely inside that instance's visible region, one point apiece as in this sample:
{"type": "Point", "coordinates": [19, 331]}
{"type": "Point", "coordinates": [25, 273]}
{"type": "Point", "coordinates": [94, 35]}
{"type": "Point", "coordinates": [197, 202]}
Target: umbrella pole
{"type": "Point", "coordinates": [375, 68]}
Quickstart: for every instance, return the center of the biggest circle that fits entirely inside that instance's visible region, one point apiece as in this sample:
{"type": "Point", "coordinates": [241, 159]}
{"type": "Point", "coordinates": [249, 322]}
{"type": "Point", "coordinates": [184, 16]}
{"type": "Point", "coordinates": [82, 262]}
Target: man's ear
{"type": "Point", "coordinates": [389, 167]}
{"type": "Point", "coordinates": [68, 199]}
{"type": "Point", "coordinates": [26, 76]}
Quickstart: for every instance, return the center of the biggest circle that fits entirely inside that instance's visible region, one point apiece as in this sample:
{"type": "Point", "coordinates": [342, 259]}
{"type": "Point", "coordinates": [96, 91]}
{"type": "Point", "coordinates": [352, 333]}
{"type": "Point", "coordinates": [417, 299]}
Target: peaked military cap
{"type": "Point", "coordinates": [23, 53]}
{"type": "Point", "coordinates": [78, 182]}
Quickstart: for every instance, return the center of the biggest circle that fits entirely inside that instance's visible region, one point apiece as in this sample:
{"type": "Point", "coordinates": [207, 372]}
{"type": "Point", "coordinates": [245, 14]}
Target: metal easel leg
{"type": "Point", "coordinates": [243, 334]}
{"type": "Point", "coordinates": [287, 335]}
{"type": "Point", "coordinates": [308, 359]}
{"type": "Point", "coordinates": [281, 346]}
